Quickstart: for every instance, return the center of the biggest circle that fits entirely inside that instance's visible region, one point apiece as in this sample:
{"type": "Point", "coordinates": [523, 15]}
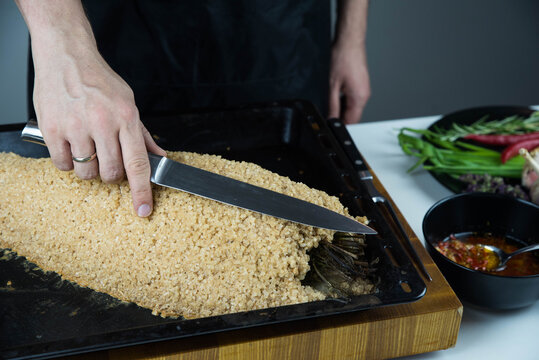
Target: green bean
{"type": "Point", "coordinates": [455, 158]}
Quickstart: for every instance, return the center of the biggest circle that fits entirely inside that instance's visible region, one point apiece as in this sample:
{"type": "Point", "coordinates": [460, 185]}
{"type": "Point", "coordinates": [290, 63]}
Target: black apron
{"type": "Point", "coordinates": [178, 55]}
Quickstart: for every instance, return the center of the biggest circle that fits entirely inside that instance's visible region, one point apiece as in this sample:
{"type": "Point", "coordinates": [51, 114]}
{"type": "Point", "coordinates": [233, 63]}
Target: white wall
{"type": "Point", "coordinates": [13, 62]}
{"type": "Point", "coordinates": [431, 57]}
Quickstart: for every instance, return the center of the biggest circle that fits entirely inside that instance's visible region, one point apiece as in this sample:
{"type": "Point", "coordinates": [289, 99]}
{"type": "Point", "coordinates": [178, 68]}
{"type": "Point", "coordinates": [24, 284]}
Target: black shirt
{"type": "Point", "coordinates": [212, 53]}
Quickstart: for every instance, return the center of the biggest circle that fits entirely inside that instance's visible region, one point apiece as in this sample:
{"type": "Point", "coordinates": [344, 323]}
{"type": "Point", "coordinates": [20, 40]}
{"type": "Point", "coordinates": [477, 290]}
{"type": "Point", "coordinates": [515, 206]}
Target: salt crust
{"type": "Point", "coordinates": [192, 257]}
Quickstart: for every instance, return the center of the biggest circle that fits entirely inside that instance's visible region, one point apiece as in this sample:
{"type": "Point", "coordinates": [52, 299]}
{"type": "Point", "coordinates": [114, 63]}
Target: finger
{"type": "Point", "coordinates": [84, 147]}
{"type": "Point", "coordinates": [60, 153]}
{"type": "Point", "coordinates": [354, 110]}
{"type": "Point", "coordinates": [59, 149]}
{"type": "Point", "coordinates": [151, 146]}
{"type": "Point", "coordinates": [334, 100]}
{"type": "Point", "coordinates": [137, 168]}
{"type": "Point", "coordinates": [109, 153]}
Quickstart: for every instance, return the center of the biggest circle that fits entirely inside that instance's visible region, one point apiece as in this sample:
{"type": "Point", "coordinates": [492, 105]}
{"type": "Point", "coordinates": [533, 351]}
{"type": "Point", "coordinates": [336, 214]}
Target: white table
{"type": "Point", "coordinates": [483, 334]}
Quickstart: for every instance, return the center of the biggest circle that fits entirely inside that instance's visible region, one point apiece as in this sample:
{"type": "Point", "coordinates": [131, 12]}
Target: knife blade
{"type": "Point", "coordinates": [179, 176]}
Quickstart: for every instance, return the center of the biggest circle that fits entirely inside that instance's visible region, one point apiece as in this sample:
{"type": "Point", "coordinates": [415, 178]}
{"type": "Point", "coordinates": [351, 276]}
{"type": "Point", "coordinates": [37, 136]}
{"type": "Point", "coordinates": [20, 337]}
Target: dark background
{"type": "Point", "coordinates": [426, 57]}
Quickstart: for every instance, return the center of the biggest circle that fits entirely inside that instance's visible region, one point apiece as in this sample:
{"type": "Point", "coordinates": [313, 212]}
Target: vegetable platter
{"type": "Point", "coordinates": [476, 149]}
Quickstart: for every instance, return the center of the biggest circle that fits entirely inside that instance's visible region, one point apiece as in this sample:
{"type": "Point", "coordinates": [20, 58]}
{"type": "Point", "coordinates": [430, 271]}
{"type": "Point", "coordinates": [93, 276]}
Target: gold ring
{"type": "Point", "coordinates": [84, 159]}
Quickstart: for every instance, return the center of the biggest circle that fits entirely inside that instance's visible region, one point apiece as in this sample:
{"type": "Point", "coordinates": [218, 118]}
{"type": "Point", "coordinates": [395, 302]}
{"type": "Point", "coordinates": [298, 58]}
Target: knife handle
{"type": "Point", "coordinates": [31, 133]}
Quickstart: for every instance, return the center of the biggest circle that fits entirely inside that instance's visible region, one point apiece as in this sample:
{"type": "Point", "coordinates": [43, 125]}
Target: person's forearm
{"type": "Point", "coordinates": [46, 17]}
{"type": "Point", "coordinates": [352, 22]}
{"type": "Point", "coordinates": [52, 23]}
{"type": "Point", "coordinates": [349, 76]}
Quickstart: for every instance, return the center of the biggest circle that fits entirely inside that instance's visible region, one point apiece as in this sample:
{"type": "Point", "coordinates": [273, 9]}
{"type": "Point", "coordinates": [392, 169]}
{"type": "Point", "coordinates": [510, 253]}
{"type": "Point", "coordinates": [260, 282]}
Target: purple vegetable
{"type": "Point", "coordinates": [492, 184]}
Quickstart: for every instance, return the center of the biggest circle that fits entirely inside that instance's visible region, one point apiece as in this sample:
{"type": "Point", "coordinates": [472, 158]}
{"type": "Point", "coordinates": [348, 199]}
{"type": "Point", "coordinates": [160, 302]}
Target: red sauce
{"type": "Point", "coordinates": [466, 250]}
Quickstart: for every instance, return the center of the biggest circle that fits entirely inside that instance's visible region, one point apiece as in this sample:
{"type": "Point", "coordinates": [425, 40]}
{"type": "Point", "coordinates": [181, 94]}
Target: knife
{"type": "Point", "coordinates": [173, 174]}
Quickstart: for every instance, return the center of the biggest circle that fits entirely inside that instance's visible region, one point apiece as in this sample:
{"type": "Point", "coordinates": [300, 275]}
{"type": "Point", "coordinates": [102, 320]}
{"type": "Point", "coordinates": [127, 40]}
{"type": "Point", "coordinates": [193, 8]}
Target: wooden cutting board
{"type": "Point", "coordinates": [429, 324]}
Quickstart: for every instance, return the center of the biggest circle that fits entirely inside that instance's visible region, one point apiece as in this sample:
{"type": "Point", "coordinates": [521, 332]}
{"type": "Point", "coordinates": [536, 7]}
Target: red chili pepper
{"type": "Point", "coordinates": [512, 150]}
{"type": "Point", "coordinates": [502, 140]}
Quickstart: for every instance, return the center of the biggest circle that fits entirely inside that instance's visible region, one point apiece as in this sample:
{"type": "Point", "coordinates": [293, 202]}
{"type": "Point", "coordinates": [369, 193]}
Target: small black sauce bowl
{"type": "Point", "coordinates": [481, 212]}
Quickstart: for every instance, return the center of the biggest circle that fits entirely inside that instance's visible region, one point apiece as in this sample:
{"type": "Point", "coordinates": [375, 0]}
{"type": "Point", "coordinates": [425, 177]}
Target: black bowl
{"type": "Point", "coordinates": [481, 212]}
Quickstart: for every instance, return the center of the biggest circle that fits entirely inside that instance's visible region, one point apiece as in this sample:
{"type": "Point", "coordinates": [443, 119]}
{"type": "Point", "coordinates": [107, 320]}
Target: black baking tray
{"type": "Point", "coordinates": [43, 316]}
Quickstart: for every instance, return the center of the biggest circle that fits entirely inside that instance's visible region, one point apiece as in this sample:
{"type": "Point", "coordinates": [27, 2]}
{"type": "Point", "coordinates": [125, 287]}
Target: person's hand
{"type": "Point", "coordinates": [349, 78]}
{"type": "Point", "coordinates": [83, 107]}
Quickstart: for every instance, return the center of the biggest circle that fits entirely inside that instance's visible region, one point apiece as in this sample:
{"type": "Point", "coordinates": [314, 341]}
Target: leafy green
{"type": "Point", "coordinates": [455, 158]}
{"type": "Point", "coordinates": [511, 125]}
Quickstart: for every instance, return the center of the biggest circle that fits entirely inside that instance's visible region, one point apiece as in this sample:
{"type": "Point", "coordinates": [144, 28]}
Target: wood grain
{"type": "Point", "coordinates": [429, 324]}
